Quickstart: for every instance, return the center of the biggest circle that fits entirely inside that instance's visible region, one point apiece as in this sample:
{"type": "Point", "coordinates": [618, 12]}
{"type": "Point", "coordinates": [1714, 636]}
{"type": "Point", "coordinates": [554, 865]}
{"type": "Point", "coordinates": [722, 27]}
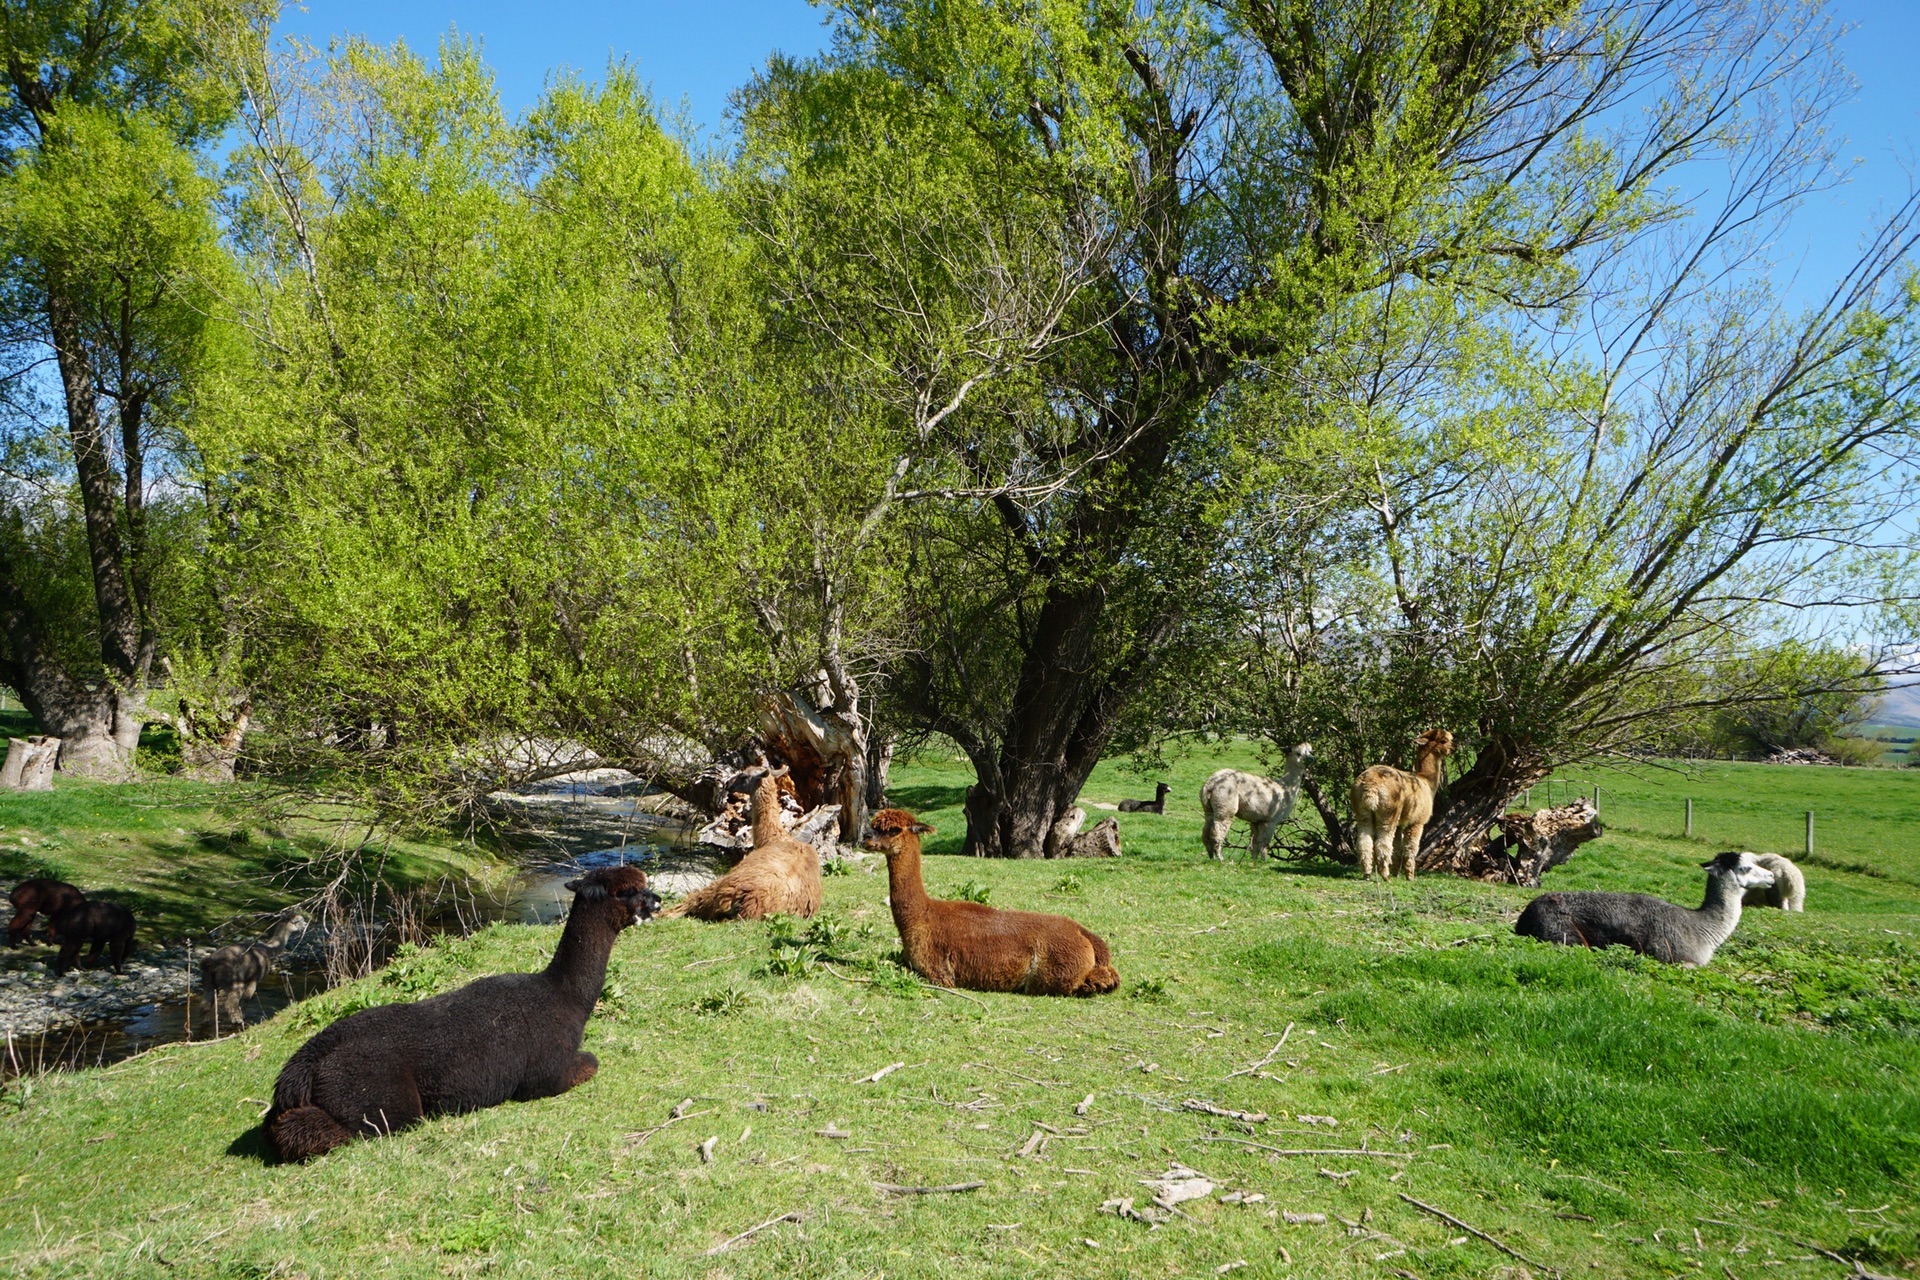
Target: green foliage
{"type": "Point", "coordinates": [970, 890]}
{"type": "Point", "coordinates": [1068, 884]}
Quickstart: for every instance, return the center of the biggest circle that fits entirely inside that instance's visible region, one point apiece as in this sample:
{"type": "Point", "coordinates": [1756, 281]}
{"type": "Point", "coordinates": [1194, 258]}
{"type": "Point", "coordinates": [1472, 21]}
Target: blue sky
{"type": "Point", "coordinates": [695, 53]}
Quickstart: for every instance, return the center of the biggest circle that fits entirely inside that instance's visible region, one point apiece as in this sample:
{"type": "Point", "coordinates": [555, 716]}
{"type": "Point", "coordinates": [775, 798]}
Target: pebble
{"type": "Point", "coordinates": [33, 1000]}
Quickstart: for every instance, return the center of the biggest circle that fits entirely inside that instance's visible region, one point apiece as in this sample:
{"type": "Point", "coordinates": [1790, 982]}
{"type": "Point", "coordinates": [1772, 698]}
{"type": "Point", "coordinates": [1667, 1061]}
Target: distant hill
{"type": "Point", "coordinates": [1900, 706]}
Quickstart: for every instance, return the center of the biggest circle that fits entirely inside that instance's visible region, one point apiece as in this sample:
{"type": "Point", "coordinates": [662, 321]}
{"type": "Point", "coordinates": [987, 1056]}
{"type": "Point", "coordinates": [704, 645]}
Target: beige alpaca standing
{"type": "Point", "coordinates": [1391, 807]}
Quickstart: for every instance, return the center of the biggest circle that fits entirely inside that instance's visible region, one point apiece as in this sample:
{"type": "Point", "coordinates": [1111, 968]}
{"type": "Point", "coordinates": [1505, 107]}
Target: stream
{"type": "Point", "coordinates": [565, 826]}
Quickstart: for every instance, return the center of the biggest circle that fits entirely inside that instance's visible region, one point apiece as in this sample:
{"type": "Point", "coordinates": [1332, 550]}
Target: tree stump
{"type": "Point", "coordinates": [1101, 842]}
{"type": "Point", "coordinates": [1531, 844]}
{"type": "Point", "coordinates": [30, 762]}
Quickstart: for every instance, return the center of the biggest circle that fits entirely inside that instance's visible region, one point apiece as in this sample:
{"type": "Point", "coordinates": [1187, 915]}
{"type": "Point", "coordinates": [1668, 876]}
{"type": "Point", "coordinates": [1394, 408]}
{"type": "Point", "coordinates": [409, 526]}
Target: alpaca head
{"type": "Point", "coordinates": [625, 885]}
{"type": "Point", "coordinates": [1300, 755]}
{"type": "Point", "coordinates": [888, 831]}
{"type": "Point", "coordinates": [1434, 741]}
{"type": "Point", "coordinates": [1741, 869]}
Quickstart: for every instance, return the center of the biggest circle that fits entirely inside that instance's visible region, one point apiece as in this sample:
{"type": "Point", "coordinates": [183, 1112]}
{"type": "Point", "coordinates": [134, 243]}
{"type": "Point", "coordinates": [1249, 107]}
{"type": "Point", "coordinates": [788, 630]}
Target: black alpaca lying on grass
{"type": "Point", "coordinates": [1156, 805]}
{"type": "Point", "coordinates": [38, 897]}
{"type": "Point", "coordinates": [103, 924]}
{"type": "Point", "coordinates": [511, 1036]}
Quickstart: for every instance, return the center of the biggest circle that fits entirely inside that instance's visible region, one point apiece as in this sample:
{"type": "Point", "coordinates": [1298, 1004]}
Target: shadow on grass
{"type": "Point", "coordinates": [253, 1145]}
{"type": "Point", "coordinates": [926, 798]}
{"type": "Point", "coordinates": [1321, 868]}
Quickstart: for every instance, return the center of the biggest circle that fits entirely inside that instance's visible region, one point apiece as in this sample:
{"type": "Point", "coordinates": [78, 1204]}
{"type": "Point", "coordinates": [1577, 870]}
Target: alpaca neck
{"type": "Point", "coordinates": [767, 826]}
{"type": "Point", "coordinates": [1427, 769]}
{"type": "Point", "coordinates": [906, 892]}
{"type": "Point", "coordinates": [1720, 912]}
{"type": "Point", "coordinates": [579, 965]}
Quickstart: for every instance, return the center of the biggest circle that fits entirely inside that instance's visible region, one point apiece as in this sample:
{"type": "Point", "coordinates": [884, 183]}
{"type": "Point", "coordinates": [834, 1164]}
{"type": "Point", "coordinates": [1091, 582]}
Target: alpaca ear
{"type": "Point", "coordinates": [922, 828]}
{"type": "Point", "coordinates": [571, 886]}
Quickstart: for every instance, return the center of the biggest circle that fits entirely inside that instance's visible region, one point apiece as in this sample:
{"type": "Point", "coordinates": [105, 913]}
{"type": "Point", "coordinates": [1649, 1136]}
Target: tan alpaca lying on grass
{"type": "Point", "coordinates": [1391, 807]}
{"type": "Point", "coordinates": [780, 877]}
{"type": "Point", "coordinates": [972, 945]}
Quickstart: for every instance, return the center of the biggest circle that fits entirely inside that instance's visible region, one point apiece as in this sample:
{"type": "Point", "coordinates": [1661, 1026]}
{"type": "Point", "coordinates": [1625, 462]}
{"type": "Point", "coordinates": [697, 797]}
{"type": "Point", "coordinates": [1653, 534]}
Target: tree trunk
{"type": "Point", "coordinates": [210, 742]}
{"type": "Point", "coordinates": [1466, 810]}
{"type": "Point", "coordinates": [1057, 728]}
{"type": "Point", "coordinates": [827, 753]}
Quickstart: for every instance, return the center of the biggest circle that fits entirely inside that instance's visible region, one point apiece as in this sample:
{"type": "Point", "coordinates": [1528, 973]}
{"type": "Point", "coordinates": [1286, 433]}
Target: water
{"type": "Point", "coordinates": [539, 896]}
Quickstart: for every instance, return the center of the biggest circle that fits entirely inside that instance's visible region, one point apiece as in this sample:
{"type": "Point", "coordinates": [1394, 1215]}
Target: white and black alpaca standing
{"type": "Point", "coordinates": [1264, 803]}
{"type": "Point", "coordinates": [1649, 925]}
{"type": "Point", "coordinates": [233, 973]}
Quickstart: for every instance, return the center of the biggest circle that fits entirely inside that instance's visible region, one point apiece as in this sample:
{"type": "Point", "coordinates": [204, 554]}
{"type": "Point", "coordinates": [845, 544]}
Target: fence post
{"type": "Point", "coordinates": [1689, 817]}
{"type": "Point", "coordinates": [1809, 833]}
{"type": "Point", "coordinates": [1596, 797]}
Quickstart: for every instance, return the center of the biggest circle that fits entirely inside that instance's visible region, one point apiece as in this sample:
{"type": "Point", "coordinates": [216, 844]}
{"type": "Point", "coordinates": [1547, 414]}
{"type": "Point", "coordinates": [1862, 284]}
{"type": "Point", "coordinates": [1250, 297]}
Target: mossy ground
{"type": "Point", "coordinates": [1597, 1113]}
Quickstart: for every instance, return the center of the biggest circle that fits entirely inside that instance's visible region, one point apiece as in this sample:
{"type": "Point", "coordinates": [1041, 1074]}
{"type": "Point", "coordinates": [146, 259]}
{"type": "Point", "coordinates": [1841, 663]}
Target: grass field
{"type": "Point", "coordinates": [1595, 1113]}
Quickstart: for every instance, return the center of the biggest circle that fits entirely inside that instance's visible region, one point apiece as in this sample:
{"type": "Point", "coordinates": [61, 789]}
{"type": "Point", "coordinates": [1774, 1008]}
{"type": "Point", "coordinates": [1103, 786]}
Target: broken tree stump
{"type": "Point", "coordinates": [1531, 844]}
{"type": "Point", "coordinates": [29, 765]}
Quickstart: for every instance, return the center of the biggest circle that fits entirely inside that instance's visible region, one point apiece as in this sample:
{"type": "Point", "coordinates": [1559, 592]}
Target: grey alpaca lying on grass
{"type": "Point", "coordinates": [1675, 934]}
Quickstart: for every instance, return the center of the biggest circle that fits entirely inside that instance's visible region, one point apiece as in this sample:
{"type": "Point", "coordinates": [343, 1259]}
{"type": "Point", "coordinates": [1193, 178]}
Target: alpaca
{"type": "Point", "coordinates": [101, 923]}
{"type": "Point", "coordinates": [1674, 934]}
{"type": "Point", "coordinates": [969, 944]}
{"type": "Point", "coordinates": [1156, 805]}
{"type": "Point", "coordinates": [38, 897]}
{"type": "Point", "coordinates": [1788, 890]}
{"type": "Point", "coordinates": [780, 877]}
{"type": "Point", "coordinates": [232, 974]}
{"type": "Point", "coordinates": [510, 1036]}
{"type": "Point", "coordinates": [1264, 803]}
{"type": "Point", "coordinates": [1391, 807]}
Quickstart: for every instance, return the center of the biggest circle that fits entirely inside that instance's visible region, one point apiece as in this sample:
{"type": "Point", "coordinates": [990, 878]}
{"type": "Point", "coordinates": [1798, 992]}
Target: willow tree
{"type": "Point", "coordinates": [1075, 229]}
{"type": "Point", "coordinates": [110, 256]}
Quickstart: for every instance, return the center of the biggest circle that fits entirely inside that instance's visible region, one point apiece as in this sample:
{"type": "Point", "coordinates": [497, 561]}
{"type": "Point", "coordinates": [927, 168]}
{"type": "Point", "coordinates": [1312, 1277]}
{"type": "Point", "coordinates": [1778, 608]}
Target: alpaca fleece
{"type": "Point", "coordinates": [1653, 927]}
{"type": "Point", "coordinates": [1391, 807]}
{"type": "Point", "coordinates": [36, 897]}
{"type": "Point", "coordinates": [1788, 890]}
{"type": "Point", "coordinates": [104, 924]}
{"type": "Point", "coordinates": [781, 876]}
{"type": "Point", "coordinates": [969, 944]}
{"type": "Point", "coordinates": [1262, 803]}
{"type": "Point", "coordinates": [513, 1036]}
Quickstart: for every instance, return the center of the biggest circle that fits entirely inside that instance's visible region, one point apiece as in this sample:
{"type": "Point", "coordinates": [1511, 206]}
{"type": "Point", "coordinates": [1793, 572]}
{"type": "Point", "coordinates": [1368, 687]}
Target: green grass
{"type": "Point", "coordinates": [1591, 1110]}
{"type": "Point", "coordinates": [188, 857]}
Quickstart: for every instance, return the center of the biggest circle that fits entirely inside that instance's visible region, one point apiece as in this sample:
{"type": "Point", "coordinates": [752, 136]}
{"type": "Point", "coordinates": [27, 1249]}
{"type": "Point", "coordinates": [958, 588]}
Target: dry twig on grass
{"type": "Point", "coordinates": [1312, 1151]}
{"type": "Point", "coordinates": [1444, 1216]}
{"type": "Point", "coordinates": [729, 1242]}
{"type": "Point", "coordinates": [1278, 1045]}
{"type": "Point", "coordinates": [894, 1189]}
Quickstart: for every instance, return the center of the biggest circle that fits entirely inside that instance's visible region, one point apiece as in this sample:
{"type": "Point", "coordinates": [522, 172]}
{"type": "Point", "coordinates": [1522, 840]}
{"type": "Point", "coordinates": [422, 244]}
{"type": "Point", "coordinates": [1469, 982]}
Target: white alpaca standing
{"type": "Point", "coordinates": [1264, 803]}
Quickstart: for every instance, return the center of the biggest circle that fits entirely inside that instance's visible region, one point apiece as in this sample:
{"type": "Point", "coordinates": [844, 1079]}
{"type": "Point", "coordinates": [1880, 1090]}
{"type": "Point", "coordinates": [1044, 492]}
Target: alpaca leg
{"type": "Point", "coordinates": [1257, 840]}
{"type": "Point", "coordinates": [1408, 846]}
{"type": "Point", "coordinates": [1215, 833]}
{"type": "Point", "coordinates": [584, 1068]}
{"type": "Point", "coordinates": [1363, 845]}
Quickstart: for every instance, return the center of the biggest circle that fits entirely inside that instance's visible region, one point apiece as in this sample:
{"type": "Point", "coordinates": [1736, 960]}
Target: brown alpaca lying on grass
{"type": "Point", "coordinates": [510, 1036]}
{"type": "Point", "coordinates": [1391, 807]}
{"type": "Point", "coordinates": [780, 877]}
{"type": "Point", "coordinates": [969, 944]}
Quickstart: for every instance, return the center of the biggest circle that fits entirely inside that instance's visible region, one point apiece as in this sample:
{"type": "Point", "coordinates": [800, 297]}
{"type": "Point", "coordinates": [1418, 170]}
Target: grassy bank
{"type": "Point", "coordinates": [189, 859]}
{"type": "Point", "coordinates": [1595, 1113]}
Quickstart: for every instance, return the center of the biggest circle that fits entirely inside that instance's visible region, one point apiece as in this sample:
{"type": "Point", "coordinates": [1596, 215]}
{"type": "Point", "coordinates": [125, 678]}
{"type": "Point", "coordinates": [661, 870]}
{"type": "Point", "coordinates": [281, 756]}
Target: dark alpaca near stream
{"type": "Point", "coordinates": [103, 924]}
{"type": "Point", "coordinates": [512, 1036]}
{"type": "Point", "coordinates": [1156, 805]}
{"type": "Point", "coordinates": [38, 897]}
